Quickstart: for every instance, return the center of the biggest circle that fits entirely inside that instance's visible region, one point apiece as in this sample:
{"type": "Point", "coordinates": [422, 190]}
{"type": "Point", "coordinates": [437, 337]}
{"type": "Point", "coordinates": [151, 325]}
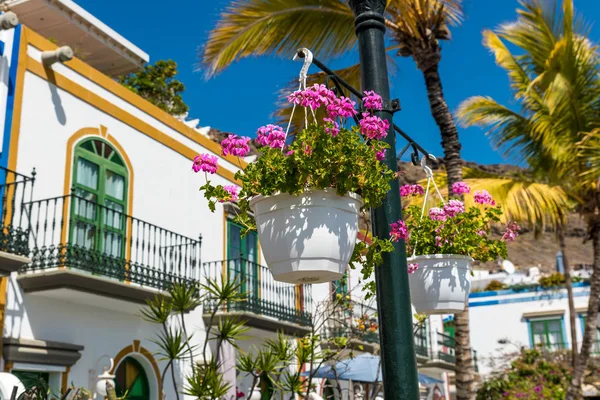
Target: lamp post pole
{"type": "Point", "coordinates": [398, 362]}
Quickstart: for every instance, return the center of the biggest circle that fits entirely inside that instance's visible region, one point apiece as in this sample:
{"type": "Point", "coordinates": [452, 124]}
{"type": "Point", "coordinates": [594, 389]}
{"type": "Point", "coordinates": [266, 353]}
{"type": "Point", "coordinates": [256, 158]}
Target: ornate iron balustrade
{"type": "Point", "coordinates": [15, 190]}
{"type": "Point", "coordinates": [264, 295]}
{"type": "Point", "coordinates": [446, 346]}
{"type": "Point", "coordinates": [70, 231]}
{"type": "Point", "coordinates": [360, 322]}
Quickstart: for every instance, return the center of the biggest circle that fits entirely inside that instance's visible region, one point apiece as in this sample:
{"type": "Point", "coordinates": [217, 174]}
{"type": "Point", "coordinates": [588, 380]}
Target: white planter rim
{"type": "Point", "coordinates": [441, 257]}
{"type": "Point", "coordinates": [329, 191]}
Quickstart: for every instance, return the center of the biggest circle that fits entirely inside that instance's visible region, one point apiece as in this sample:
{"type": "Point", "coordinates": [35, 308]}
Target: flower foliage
{"type": "Point", "coordinates": [325, 155]}
{"type": "Point", "coordinates": [450, 228]}
{"type": "Point", "coordinates": [533, 375]}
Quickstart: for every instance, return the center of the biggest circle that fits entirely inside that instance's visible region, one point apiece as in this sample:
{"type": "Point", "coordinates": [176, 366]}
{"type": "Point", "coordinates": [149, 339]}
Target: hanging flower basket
{"type": "Point", "coordinates": [441, 284]}
{"type": "Point", "coordinates": [306, 194]}
{"type": "Point", "coordinates": [445, 240]}
{"type": "Point", "coordinates": [307, 238]}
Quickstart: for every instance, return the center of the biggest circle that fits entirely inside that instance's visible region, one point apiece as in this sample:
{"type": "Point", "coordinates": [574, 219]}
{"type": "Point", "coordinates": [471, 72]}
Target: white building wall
{"type": "Point", "coordinates": [498, 316]}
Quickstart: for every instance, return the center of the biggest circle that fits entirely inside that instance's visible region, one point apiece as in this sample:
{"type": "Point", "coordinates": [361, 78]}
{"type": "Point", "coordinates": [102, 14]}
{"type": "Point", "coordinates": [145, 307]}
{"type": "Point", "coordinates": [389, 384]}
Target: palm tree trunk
{"type": "Point", "coordinates": [574, 391]}
{"type": "Point", "coordinates": [443, 118]}
{"type": "Point", "coordinates": [569, 284]}
{"type": "Point", "coordinates": [465, 371]}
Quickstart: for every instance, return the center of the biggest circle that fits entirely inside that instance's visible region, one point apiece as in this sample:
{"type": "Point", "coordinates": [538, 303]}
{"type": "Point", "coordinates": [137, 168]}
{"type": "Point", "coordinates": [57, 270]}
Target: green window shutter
{"type": "Point", "coordinates": [100, 183]}
{"type": "Point", "coordinates": [547, 333]}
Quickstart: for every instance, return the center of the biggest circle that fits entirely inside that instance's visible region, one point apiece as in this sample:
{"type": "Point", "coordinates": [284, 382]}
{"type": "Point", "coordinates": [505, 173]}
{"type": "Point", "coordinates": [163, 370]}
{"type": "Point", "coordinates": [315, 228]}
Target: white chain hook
{"type": "Point", "coordinates": [308, 59]}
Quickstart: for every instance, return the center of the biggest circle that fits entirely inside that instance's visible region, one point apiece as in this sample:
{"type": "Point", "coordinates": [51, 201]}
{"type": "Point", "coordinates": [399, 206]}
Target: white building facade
{"type": "Point", "coordinates": [101, 211]}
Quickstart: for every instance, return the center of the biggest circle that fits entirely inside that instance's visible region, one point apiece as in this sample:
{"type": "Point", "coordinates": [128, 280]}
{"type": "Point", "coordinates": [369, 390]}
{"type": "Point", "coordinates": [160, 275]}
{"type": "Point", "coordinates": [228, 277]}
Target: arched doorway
{"type": "Point", "coordinates": [131, 380]}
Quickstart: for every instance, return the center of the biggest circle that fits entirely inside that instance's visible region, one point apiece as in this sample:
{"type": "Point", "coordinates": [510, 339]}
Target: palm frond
{"type": "Point", "coordinates": [266, 27]}
{"type": "Point", "coordinates": [535, 204]}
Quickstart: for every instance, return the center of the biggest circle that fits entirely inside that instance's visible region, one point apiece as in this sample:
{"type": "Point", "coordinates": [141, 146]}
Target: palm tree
{"type": "Point", "coordinates": [415, 28]}
{"type": "Point", "coordinates": [555, 80]}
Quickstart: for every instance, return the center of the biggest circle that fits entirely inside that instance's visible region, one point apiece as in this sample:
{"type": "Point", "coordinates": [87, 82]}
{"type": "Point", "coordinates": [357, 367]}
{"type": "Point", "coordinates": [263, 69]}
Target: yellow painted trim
{"type": "Point", "coordinates": [8, 366]}
{"type": "Point", "coordinates": [65, 380]}
{"type": "Point", "coordinates": [12, 154]}
{"type": "Point", "coordinates": [109, 108]}
{"type": "Point", "coordinates": [122, 92]}
{"type": "Point", "coordinates": [18, 104]}
{"type": "Point", "coordinates": [128, 350]}
{"type": "Point", "coordinates": [102, 132]}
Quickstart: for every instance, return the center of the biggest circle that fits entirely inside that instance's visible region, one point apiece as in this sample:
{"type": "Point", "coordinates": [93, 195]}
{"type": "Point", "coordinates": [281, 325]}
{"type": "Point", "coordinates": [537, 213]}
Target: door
{"type": "Point", "coordinates": [99, 202]}
{"type": "Point", "coordinates": [242, 260]}
{"type": "Point", "coordinates": [131, 381]}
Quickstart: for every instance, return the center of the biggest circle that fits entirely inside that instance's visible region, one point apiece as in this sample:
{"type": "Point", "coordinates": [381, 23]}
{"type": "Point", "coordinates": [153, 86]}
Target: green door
{"type": "Point", "coordinates": [242, 259]}
{"type": "Point", "coordinates": [98, 208]}
{"type": "Point", "coordinates": [131, 380]}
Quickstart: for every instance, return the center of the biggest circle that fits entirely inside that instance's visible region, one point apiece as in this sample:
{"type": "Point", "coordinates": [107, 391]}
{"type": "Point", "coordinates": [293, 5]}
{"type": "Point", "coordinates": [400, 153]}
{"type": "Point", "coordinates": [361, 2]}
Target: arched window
{"type": "Point", "coordinates": [100, 182]}
{"type": "Point", "coordinates": [131, 380]}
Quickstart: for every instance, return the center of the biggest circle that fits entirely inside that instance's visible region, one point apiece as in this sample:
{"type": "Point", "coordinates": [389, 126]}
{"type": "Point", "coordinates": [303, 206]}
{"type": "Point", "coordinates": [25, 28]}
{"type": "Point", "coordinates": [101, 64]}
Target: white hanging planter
{"type": "Point", "coordinates": [441, 284]}
{"type": "Point", "coordinates": [308, 238]}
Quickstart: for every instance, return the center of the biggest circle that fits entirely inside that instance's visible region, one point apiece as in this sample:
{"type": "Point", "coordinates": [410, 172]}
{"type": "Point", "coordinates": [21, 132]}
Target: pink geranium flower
{"type": "Point", "coordinates": [399, 231]}
{"type": "Point", "coordinates": [206, 163]}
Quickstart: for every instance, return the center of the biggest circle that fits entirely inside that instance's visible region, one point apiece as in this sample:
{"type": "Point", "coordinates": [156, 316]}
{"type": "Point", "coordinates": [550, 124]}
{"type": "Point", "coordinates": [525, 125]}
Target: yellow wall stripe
{"type": "Point", "coordinates": [79, 66]}
{"type": "Point", "coordinates": [109, 108]}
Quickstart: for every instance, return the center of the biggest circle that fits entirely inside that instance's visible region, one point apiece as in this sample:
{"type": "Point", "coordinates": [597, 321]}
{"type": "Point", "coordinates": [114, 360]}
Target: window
{"type": "Point", "coordinates": [242, 256]}
{"type": "Point", "coordinates": [339, 287]}
{"type": "Point", "coordinates": [100, 183]}
{"type": "Point", "coordinates": [131, 380]}
{"type": "Point", "coordinates": [547, 333]}
{"type": "Point", "coordinates": [449, 328]}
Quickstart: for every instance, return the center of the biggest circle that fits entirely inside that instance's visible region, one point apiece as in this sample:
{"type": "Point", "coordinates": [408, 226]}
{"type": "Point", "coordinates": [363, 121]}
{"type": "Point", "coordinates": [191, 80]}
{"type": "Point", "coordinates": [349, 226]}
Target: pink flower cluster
{"type": "Point", "coordinates": [380, 155]}
{"type": "Point", "coordinates": [313, 97]}
{"type": "Point", "coordinates": [399, 231]}
{"type": "Point", "coordinates": [483, 197]}
{"type": "Point", "coordinates": [233, 193]}
{"type": "Point", "coordinates": [332, 127]}
{"type": "Point", "coordinates": [236, 146]}
{"type": "Point", "coordinates": [454, 207]}
{"type": "Point", "coordinates": [437, 214]}
{"type": "Point", "coordinates": [372, 101]}
{"type": "Point", "coordinates": [460, 188]}
{"type": "Point", "coordinates": [373, 127]}
{"type": "Point", "coordinates": [412, 268]}
{"type": "Point", "coordinates": [411, 190]}
{"type": "Point", "coordinates": [341, 107]}
{"type": "Point", "coordinates": [271, 135]}
{"type": "Point", "coordinates": [206, 163]}
{"type": "Point", "coordinates": [511, 233]}
{"type": "Point", "coordinates": [439, 242]}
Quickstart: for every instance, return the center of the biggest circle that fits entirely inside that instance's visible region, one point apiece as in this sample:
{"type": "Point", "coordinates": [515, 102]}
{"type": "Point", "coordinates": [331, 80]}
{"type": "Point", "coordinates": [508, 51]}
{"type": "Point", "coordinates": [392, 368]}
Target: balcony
{"type": "Point", "coordinates": [76, 245]}
{"type": "Point", "coordinates": [443, 354]}
{"type": "Point", "coordinates": [269, 305]}
{"type": "Point", "coordinates": [359, 323]}
{"type": "Point", "coordinates": [14, 235]}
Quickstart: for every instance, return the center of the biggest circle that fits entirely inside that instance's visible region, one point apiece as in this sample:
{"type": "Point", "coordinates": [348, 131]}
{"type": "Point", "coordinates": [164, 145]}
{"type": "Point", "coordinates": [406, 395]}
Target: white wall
{"type": "Point", "coordinates": [492, 322]}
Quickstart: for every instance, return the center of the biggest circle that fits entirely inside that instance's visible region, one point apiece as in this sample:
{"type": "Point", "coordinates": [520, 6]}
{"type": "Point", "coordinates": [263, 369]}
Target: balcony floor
{"type": "Point", "coordinates": [84, 288]}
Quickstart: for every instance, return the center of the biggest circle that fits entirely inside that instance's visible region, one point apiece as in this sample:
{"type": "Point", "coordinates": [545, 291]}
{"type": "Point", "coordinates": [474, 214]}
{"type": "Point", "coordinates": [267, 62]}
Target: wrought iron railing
{"type": "Point", "coordinates": [72, 232]}
{"type": "Point", "coordinates": [263, 294]}
{"type": "Point", "coordinates": [359, 321]}
{"type": "Point", "coordinates": [353, 320]}
{"type": "Point", "coordinates": [15, 190]}
{"type": "Point", "coordinates": [446, 346]}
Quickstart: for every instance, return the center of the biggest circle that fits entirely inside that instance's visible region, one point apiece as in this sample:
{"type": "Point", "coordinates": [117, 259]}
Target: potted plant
{"type": "Point", "coordinates": [306, 195]}
{"type": "Point", "coordinates": [444, 241]}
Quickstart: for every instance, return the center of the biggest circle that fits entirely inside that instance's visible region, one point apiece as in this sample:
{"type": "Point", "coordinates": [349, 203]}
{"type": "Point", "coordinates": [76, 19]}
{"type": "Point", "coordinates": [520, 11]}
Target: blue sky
{"type": "Point", "coordinates": [242, 98]}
